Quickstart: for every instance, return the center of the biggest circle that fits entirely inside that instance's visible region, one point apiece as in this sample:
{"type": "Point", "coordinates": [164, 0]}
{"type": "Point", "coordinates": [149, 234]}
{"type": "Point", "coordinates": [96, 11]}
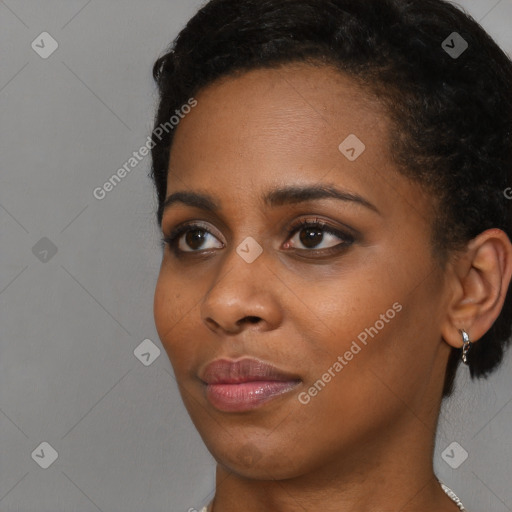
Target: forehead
{"type": "Point", "coordinates": [296, 106]}
{"type": "Point", "coordinates": [298, 112]}
{"type": "Point", "coordinates": [285, 125]}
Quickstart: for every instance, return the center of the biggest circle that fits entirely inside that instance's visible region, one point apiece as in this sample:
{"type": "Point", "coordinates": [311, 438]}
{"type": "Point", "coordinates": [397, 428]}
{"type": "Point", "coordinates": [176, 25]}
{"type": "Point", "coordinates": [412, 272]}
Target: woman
{"type": "Point", "coordinates": [332, 198]}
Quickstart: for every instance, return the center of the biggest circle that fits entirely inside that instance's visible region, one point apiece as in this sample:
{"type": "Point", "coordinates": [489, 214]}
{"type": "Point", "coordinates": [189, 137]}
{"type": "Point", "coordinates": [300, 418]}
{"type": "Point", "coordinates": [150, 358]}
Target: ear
{"type": "Point", "coordinates": [479, 282]}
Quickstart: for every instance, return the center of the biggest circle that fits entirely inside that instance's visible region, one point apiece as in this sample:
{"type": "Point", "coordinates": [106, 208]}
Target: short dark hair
{"type": "Point", "coordinates": [451, 114]}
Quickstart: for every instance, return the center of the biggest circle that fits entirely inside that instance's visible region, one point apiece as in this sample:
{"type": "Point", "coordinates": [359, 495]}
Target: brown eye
{"type": "Point", "coordinates": [317, 236]}
{"type": "Point", "coordinates": [194, 238]}
{"type": "Point", "coordinates": [311, 237]}
{"type": "Point", "coordinates": [191, 238]}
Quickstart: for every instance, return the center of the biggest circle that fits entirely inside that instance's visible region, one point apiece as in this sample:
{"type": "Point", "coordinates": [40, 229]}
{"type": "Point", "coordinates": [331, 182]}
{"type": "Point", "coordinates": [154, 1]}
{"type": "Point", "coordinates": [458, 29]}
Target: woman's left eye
{"type": "Point", "coordinates": [318, 236]}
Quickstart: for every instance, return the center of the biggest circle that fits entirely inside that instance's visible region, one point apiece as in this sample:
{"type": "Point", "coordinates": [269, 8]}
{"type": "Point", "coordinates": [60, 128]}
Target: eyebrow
{"type": "Point", "coordinates": [275, 197]}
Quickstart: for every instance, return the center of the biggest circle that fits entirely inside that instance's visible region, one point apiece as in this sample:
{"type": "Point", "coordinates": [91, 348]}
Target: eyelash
{"type": "Point", "coordinates": [174, 236]}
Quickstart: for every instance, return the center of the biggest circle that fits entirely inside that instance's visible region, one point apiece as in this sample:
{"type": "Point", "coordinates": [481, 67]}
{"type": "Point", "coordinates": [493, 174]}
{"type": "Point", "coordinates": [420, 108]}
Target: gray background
{"type": "Point", "coordinates": [71, 321]}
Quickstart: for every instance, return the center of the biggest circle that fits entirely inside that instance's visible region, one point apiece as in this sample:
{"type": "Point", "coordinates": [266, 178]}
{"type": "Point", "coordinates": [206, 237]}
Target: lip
{"type": "Point", "coordinates": [244, 384]}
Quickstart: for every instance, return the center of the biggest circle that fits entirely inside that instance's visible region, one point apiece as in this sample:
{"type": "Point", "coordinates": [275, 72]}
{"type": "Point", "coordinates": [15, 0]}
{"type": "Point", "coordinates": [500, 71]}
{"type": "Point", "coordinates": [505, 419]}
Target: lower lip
{"type": "Point", "coordinates": [245, 396]}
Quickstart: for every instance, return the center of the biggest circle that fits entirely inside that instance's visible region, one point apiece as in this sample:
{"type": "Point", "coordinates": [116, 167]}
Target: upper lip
{"type": "Point", "coordinates": [225, 371]}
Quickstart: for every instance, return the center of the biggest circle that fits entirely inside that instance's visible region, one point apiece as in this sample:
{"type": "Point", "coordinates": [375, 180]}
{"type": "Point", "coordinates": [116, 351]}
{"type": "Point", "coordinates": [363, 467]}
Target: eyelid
{"type": "Point", "coordinates": [337, 227]}
{"type": "Point", "coordinates": [180, 228]}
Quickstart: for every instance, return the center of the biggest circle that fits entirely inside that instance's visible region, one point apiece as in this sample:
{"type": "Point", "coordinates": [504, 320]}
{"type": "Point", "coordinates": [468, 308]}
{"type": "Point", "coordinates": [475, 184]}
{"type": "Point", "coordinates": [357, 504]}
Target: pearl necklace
{"type": "Point", "coordinates": [445, 488]}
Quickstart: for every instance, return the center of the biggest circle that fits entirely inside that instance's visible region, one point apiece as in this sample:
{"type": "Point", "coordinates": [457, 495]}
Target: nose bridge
{"type": "Point", "coordinates": [245, 252]}
{"type": "Point", "coordinates": [243, 263]}
{"type": "Point", "coordinates": [239, 291]}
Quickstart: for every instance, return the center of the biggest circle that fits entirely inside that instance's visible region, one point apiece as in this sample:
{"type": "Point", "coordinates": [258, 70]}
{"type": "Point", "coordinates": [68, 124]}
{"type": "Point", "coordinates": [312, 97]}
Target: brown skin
{"type": "Point", "coordinates": [365, 442]}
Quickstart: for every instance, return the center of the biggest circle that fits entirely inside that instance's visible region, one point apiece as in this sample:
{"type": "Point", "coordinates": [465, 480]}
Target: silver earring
{"type": "Point", "coordinates": [466, 345]}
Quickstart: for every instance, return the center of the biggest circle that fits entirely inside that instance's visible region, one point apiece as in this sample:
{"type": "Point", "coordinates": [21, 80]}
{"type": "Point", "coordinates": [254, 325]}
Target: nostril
{"type": "Point", "coordinates": [251, 319]}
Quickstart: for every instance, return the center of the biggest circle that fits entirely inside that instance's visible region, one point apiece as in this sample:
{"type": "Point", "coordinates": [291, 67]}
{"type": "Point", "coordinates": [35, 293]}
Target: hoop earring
{"type": "Point", "coordinates": [466, 345]}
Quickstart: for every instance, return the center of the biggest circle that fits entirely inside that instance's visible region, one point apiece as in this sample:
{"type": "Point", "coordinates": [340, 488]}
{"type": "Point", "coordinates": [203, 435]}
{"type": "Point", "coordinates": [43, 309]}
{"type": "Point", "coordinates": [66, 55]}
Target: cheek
{"type": "Point", "coordinates": [366, 319]}
{"type": "Point", "coordinates": [161, 301]}
{"type": "Point", "coordinates": [379, 349]}
{"type": "Point", "coordinates": [177, 314]}
{"type": "Point", "coordinates": [172, 306]}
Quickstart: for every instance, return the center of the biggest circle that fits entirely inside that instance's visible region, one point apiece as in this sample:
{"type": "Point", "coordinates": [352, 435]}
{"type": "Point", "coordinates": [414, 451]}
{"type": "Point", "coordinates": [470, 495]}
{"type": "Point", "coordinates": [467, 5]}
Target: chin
{"type": "Point", "coordinates": [258, 458]}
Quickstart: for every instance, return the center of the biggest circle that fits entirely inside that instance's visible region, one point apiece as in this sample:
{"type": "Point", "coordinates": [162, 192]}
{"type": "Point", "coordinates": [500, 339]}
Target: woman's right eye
{"type": "Point", "coordinates": [190, 238]}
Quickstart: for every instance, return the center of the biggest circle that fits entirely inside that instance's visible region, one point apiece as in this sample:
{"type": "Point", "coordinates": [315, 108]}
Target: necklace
{"type": "Point", "coordinates": [445, 488]}
{"type": "Point", "coordinates": [453, 496]}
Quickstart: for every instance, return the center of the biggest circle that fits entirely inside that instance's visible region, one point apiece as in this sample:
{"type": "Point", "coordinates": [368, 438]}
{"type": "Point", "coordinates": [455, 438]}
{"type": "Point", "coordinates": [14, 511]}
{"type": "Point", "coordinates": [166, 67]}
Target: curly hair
{"type": "Point", "coordinates": [451, 114]}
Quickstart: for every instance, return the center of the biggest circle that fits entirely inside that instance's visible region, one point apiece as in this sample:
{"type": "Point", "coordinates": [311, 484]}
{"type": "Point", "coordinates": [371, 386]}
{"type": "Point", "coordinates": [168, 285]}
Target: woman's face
{"type": "Point", "coordinates": [348, 314]}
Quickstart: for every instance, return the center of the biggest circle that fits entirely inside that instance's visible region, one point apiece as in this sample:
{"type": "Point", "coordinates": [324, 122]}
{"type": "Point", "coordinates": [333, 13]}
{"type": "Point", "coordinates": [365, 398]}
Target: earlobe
{"type": "Point", "coordinates": [480, 280]}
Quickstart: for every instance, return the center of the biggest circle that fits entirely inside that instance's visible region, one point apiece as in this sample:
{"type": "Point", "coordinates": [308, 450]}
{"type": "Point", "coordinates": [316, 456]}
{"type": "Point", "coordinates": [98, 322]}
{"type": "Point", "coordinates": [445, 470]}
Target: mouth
{"type": "Point", "coordinates": [245, 384]}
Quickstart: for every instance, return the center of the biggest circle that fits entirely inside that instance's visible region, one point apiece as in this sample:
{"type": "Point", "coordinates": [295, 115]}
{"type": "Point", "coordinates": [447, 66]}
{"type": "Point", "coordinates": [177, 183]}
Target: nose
{"type": "Point", "coordinates": [242, 296]}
